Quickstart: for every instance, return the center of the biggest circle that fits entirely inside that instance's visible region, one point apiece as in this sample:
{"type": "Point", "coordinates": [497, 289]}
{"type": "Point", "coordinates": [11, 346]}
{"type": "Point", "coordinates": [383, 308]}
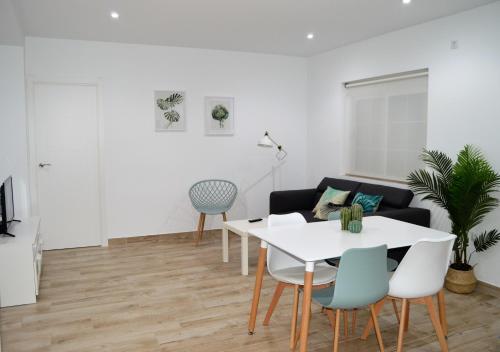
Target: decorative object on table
{"type": "Point", "coordinates": [219, 116]}
{"type": "Point", "coordinates": [355, 226]}
{"type": "Point", "coordinates": [333, 196]}
{"type": "Point", "coordinates": [465, 190]}
{"type": "Point", "coordinates": [357, 212]}
{"type": "Point", "coordinates": [345, 218]}
{"type": "Point", "coordinates": [370, 203]}
{"type": "Point", "coordinates": [212, 197]}
{"type": "Point", "coordinates": [268, 142]}
{"type": "Point", "coordinates": [170, 112]}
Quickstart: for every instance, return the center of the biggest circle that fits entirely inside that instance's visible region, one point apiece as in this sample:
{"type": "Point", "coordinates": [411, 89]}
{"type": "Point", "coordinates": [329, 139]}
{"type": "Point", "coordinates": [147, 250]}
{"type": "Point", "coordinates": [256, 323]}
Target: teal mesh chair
{"type": "Point", "coordinates": [212, 197]}
{"type": "Point", "coordinates": [362, 280]}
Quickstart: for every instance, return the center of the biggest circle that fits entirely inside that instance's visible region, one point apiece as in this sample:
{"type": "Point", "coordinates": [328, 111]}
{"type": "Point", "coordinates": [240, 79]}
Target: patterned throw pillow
{"type": "Point", "coordinates": [368, 202]}
{"type": "Point", "coordinates": [331, 195]}
{"type": "Point", "coordinates": [326, 211]}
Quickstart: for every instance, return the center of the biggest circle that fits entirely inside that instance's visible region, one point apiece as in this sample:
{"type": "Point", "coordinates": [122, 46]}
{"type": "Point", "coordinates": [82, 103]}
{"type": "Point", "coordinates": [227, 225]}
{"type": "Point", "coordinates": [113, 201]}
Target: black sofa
{"type": "Point", "coordinates": [394, 204]}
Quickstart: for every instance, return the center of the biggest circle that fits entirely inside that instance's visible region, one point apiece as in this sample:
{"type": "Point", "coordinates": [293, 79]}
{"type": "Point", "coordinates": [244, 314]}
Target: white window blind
{"type": "Point", "coordinates": [387, 126]}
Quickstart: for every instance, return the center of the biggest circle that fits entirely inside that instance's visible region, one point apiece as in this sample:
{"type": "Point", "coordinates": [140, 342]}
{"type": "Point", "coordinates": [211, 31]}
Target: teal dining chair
{"type": "Point", "coordinates": [212, 197]}
{"type": "Point", "coordinates": [362, 280]}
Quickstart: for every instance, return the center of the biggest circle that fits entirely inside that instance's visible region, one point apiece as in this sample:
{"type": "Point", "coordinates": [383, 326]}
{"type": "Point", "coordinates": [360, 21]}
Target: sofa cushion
{"type": "Point", "coordinates": [340, 184]}
{"type": "Point", "coordinates": [331, 195]}
{"type": "Point", "coordinates": [393, 197]}
{"type": "Point", "coordinates": [369, 202]}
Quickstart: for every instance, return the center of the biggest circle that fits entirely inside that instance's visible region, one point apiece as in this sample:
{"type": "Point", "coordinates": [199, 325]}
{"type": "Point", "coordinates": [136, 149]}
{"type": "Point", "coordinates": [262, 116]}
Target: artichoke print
{"type": "Point", "coordinates": [220, 113]}
{"type": "Point", "coordinates": [168, 104]}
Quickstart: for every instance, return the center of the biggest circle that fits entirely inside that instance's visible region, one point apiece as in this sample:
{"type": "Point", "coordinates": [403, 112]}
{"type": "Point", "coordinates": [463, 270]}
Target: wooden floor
{"type": "Point", "coordinates": [167, 295]}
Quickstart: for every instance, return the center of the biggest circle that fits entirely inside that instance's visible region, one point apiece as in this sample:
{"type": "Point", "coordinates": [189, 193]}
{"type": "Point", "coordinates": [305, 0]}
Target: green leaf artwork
{"type": "Point", "coordinates": [168, 104]}
{"type": "Point", "coordinates": [220, 113]}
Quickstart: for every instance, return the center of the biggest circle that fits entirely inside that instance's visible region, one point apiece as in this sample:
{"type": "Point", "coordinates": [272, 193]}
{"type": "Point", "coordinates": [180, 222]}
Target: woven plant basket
{"type": "Point", "coordinates": [460, 281]}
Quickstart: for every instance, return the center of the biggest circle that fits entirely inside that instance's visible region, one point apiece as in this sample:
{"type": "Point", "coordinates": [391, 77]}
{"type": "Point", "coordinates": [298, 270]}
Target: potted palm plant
{"type": "Point", "coordinates": [465, 190]}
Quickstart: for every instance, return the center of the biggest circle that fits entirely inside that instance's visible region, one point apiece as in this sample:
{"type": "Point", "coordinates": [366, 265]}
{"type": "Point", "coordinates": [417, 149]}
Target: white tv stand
{"type": "Point", "coordinates": [20, 263]}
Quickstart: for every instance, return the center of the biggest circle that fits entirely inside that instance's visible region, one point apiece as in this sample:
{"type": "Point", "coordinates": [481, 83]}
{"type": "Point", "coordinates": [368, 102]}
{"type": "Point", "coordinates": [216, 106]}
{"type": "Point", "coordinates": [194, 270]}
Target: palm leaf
{"type": "Point", "coordinates": [486, 240]}
{"type": "Point", "coordinates": [465, 189]}
{"type": "Point", "coordinates": [440, 162]}
{"type": "Point", "coordinates": [429, 185]}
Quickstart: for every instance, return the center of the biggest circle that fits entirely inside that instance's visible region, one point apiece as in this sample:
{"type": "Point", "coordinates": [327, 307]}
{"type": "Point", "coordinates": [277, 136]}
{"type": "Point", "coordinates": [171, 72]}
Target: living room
{"type": "Point", "coordinates": [107, 121]}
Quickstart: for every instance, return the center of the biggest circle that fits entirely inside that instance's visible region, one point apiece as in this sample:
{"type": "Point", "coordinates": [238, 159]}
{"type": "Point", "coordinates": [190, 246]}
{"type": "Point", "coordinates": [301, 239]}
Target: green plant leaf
{"type": "Point", "coordinates": [465, 189]}
{"type": "Point", "coordinates": [486, 240]}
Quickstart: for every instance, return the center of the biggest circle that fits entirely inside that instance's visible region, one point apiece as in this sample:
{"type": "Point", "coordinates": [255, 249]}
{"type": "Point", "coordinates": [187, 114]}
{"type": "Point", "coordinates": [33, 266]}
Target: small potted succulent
{"type": "Point", "coordinates": [465, 189]}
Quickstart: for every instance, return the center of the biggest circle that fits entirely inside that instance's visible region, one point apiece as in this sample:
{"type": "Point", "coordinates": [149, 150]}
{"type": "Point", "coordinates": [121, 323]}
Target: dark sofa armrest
{"type": "Point", "coordinates": [289, 201]}
{"type": "Point", "coordinates": [417, 216]}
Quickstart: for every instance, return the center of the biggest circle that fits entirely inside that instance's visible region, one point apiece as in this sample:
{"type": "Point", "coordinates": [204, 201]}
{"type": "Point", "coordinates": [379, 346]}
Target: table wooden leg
{"type": "Point", "coordinates": [258, 286]}
{"type": "Point", "coordinates": [225, 245]}
{"type": "Point", "coordinates": [244, 255]}
{"type": "Point", "coordinates": [442, 312]}
{"type": "Point", "coordinates": [306, 305]}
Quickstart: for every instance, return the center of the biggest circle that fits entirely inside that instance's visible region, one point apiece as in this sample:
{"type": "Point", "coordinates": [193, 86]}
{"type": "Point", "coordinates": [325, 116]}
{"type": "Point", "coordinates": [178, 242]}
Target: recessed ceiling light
{"type": "Point", "coordinates": [406, 2]}
{"type": "Point", "coordinates": [310, 36]}
{"type": "Point", "coordinates": [114, 15]}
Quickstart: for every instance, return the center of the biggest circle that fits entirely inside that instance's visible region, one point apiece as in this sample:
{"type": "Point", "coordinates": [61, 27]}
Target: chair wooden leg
{"type": "Point", "coordinates": [274, 302]}
{"type": "Point", "coordinates": [442, 312]}
{"type": "Point", "coordinates": [295, 314]}
{"type": "Point", "coordinates": [337, 331]}
{"type": "Point", "coordinates": [346, 322]}
{"type": "Point", "coordinates": [224, 217]}
{"type": "Point", "coordinates": [395, 306]}
{"type": "Point", "coordinates": [378, 307]}
{"type": "Point", "coordinates": [377, 328]}
{"type": "Point", "coordinates": [407, 317]}
{"type": "Point", "coordinates": [195, 237]}
{"type": "Point", "coordinates": [354, 317]}
{"type": "Point", "coordinates": [436, 323]}
{"type": "Point", "coordinates": [331, 318]}
{"type": "Point", "coordinates": [404, 312]}
{"type": "Point", "coordinates": [201, 225]}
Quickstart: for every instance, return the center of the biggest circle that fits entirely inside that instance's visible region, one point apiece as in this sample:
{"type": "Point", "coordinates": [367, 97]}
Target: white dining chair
{"type": "Point", "coordinates": [418, 278]}
{"type": "Point", "coordinates": [289, 272]}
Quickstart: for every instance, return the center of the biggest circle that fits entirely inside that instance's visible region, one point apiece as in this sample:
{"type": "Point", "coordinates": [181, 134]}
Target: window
{"type": "Point", "coordinates": [387, 125]}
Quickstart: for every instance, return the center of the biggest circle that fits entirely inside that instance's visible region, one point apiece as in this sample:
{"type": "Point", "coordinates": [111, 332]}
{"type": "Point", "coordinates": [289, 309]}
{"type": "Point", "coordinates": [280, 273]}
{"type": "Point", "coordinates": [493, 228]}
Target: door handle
{"type": "Point", "coordinates": [42, 165]}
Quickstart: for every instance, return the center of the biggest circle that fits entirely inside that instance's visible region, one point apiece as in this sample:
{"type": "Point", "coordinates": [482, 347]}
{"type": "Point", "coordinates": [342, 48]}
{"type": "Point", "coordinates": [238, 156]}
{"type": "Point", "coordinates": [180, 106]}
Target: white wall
{"type": "Point", "coordinates": [464, 87]}
{"type": "Point", "coordinates": [11, 32]}
{"type": "Point", "coordinates": [148, 174]}
{"type": "Point", "coordinates": [13, 150]}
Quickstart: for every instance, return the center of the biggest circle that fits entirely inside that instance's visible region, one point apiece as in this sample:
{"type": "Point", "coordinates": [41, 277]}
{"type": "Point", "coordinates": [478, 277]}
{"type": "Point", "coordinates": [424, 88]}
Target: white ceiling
{"type": "Point", "coordinates": [267, 26]}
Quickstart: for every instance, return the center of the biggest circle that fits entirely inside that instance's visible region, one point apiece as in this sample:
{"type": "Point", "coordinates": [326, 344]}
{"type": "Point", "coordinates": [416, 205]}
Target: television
{"type": "Point", "coordinates": [6, 206]}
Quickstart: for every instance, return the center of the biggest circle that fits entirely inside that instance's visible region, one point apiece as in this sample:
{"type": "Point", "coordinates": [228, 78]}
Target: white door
{"type": "Point", "coordinates": [66, 147]}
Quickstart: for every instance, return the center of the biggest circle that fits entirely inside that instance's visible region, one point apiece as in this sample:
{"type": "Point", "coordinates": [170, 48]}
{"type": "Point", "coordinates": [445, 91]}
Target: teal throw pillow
{"type": "Point", "coordinates": [368, 202]}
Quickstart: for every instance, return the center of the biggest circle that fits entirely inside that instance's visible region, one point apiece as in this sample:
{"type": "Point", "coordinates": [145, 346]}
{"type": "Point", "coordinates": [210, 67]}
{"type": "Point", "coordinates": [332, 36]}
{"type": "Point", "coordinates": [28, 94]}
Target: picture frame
{"type": "Point", "coordinates": [170, 110]}
{"type": "Point", "coordinates": [219, 116]}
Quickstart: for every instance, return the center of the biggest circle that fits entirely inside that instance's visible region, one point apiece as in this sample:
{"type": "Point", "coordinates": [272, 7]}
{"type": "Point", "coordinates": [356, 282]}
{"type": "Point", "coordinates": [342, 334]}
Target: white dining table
{"type": "Point", "coordinates": [315, 242]}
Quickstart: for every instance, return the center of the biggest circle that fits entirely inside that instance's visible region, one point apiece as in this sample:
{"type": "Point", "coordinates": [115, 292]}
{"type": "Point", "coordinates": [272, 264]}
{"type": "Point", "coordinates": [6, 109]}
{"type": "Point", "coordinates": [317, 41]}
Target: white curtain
{"type": "Point", "coordinates": [386, 127]}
